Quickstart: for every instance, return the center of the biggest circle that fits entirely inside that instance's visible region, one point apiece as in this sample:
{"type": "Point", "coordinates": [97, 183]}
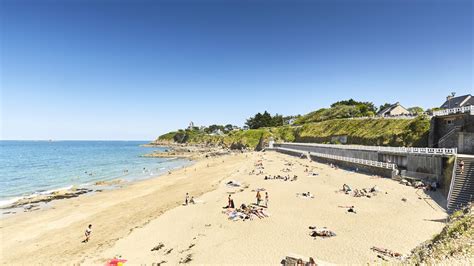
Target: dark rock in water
{"type": "Point", "coordinates": [48, 198]}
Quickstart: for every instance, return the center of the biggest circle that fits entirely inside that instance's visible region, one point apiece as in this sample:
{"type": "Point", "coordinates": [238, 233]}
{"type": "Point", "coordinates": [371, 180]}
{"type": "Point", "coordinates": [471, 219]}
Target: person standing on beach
{"type": "Point", "coordinates": [186, 199]}
{"type": "Point", "coordinates": [88, 233]}
{"type": "Point", "coordinates": [266, 199]}
{"type": "Point", "coordinates": [259, 197]}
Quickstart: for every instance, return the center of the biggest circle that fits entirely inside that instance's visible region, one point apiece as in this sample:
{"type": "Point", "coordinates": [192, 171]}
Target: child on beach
{"type": "Point", "coordinates": [88, 233]}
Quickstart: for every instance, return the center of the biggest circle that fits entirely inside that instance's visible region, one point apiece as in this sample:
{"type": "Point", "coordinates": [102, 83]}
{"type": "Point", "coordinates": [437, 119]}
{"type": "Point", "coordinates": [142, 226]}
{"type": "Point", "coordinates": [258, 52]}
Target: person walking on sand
{"type": "Point", "coordinates": [186, 199]}
{"type": "Point", "coordinates": [266, 199]}
{"type": "Point", "coordinates": [88, 233]}
{"type": "Point", "coordinates": [259, 198]}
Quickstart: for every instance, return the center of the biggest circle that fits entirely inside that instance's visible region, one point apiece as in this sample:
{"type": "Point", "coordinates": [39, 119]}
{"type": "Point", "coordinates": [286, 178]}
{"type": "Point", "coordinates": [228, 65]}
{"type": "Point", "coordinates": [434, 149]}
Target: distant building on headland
{"type": "Point", "coordinates": [394, 110]}
{"type": "Point", "coordinates": [191, 125]}
{"type": "Point", "coordinates": [217, 132]}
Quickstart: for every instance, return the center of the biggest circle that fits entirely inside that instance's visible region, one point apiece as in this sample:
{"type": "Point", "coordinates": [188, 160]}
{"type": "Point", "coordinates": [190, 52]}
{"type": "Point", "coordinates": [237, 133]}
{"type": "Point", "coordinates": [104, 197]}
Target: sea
{"type": "Point", "coordinates": [29, 168]}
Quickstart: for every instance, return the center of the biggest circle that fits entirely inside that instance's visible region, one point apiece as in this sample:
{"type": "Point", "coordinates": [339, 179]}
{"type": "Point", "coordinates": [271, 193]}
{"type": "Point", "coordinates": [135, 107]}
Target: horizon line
{"type": "Point", "coordinates": [53, 140]}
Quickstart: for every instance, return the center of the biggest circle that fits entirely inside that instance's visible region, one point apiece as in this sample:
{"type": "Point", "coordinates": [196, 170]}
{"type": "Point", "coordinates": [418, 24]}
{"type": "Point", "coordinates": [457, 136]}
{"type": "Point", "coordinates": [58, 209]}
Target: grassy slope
{"type": "Point", "coordinates": [393, 132]}
{"type": "Point", "coordinates": [454, 243]}
{"type": "Point", "coordinates": [389, 132]}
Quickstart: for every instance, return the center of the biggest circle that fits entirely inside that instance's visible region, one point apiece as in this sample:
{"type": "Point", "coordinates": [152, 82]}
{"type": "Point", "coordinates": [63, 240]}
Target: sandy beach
{"type": "Point", "coordinates": [131, 221]}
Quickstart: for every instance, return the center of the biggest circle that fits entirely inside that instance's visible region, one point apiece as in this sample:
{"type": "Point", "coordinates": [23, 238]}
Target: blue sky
{"type": "Point", "coordinates": [136, 69]}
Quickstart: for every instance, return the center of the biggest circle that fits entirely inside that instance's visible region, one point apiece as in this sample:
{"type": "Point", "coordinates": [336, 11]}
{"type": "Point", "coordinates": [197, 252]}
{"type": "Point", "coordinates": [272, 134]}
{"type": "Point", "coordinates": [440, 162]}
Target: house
{"type": "Point", "coordinates": [460, 101]}
{"type": "Point", "coordinates": [453, 127]}
{"type": "Point", "coordinates": [393, 110]}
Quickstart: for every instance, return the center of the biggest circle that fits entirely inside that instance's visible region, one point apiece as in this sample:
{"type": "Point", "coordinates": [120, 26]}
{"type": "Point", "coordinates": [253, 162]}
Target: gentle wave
{"type": "Point", "coordinates": [29, 168]}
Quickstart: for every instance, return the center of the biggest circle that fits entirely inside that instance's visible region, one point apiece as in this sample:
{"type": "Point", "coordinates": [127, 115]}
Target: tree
{"type": "Point", "coordinates": [431, 110]}
{"type": "Point", "coordinates": [277, 120]}
{"type": "Point", "coordinates": [383, 106]}
{"type": "Point", "coordinates": [365, 108]}
{"type": "Point", "coordinates": [228, 128]}
{"type": "Point", "coordinates": [264, 120]}
{"type": "Point", "coordinates": [416, 110]}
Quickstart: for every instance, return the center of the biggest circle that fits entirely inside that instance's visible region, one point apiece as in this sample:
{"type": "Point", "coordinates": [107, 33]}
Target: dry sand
{"type": "Point", "coordinates": [131, 221]}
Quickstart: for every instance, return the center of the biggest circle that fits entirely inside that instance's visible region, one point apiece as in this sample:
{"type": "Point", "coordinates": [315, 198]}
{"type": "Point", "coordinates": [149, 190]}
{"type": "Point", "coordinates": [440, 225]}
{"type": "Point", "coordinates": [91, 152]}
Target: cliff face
{"type": "Point", "coordinates": [383, 132]}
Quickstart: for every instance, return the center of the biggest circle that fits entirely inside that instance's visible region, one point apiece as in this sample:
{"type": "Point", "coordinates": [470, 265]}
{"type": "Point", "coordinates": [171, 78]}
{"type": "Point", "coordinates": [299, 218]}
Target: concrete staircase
{"type": "Point", "coordinates": [462, 187]}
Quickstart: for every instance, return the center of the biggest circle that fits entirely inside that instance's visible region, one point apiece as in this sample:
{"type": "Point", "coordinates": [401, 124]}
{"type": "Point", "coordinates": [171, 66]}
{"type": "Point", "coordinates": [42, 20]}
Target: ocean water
{"type": "Point", "coordinates": [32, 167]}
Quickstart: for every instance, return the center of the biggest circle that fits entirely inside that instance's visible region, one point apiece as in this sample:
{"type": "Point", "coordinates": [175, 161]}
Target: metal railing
{"type": "Point", "coordinates": [453, 180]}
{"type": "Point", "coordinates": [440, 151]}
{"type": "Point", "coordinates": [456, 110]}
{"type": "Point", "coordinates": [342, 158]}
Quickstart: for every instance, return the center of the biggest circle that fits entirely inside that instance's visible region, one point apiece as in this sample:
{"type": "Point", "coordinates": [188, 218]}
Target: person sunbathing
{"type": "Point", "coordinates": [351, 209]}
{"type": "Point", "coordinates": [262, 212]}
{"type": "Point", "coordinates": [256, 213]}
{"type": "Point", "coordinates": [322, 233]}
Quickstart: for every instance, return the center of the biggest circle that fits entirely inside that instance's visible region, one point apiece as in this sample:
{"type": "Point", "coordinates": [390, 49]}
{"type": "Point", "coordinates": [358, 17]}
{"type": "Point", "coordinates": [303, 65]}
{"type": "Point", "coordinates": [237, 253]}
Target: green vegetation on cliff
{"type": "Point", "coordinates": [369, 131]}
{"type": "Point", "coordinates": [338, 110]}
{"type": "Point", "coordinates": [452, 245]}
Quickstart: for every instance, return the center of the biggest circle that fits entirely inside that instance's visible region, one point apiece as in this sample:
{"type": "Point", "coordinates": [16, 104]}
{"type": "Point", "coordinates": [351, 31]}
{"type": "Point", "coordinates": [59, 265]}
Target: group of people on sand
{"type": "Point", "coordinates": [188, 200]}
{"type": "Point", "coordinates": [321, 232]}
{"type": "Point", "coordinates": [245, 212]}
{"type": "Point", "coordinates": [284, 178]}
{"type": "Point", "coordinates": [365, 192]}
{"type": "Point", "coordinates": [259, 198]}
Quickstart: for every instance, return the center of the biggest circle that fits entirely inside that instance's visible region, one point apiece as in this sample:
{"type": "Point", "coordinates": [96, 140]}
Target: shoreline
{"type": "Point", "coordinates": [54, 234]}
{"type": "Point", "coordinates": [33, 201]}
{"type": "Point", "coordinates": [40, 199]}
